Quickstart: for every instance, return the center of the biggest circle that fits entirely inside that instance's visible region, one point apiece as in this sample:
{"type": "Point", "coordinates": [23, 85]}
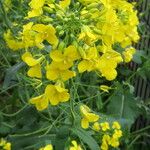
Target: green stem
{"type": "Point", "coordinates": [141, 130]}
{"type": "Point", "coordinates": [14, 114]}
{"type": "Point", "coordinates": [5, 16]}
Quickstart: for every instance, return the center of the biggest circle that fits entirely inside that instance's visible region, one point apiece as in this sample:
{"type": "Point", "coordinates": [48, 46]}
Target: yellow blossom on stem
{"type": "Point", "coordinates": [56, 94]}
{"type": "Point", "coordinates": [35, 67]}
{"type": "Point", "coordinates": [114, 142]}
{"type": "Point", "coordinates": [4, 145]}
{"type": "Point", "coordinates": [53, 94]}
{"type": "Point", "coordinates": [45, 32]}
{"type": "Point", "coordinates": [107, 64]}
{"type": "Point", "coordinates": [105, 126]}
{"type": "Point", "coordinates": [89, 61]}
{"type": "Point", "coordinates": [105, 88]}
{"type": "Point", "coordinates": [40, 102]}
{"type": "Point", "coordinates": [11, 42]}
{"type": "Point", "coordinates": [87, 116]}
{"type": "Point", "coordinates": [55, 71]}
{"type": "Point", "coordinates": [47, 147]}
{"type": "Point", "coordinates": [36, 8]}
{"type": "Point", "coordinates": [65, 58]}
{"type": "Point", "coordinates": [96, 126]}
{"type": "Point", "coordinates": [116, 125]}
{"type": "Point", "coordinates": [117, 134]}
{"type": "Point", "coordinates": [64, 3]}
{"type": "Point", "coordinates": [75, 146]}
{"type": "Point", "coordinates": [128, 54]}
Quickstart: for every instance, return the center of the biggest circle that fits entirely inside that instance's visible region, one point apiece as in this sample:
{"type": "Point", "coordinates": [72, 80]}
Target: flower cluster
{"type": "Point", "coordinates": [110, 135]}
{"type": "Point", "coordinates": [4, 145]}
{"type": "Point", "coordinates": [82, 36]}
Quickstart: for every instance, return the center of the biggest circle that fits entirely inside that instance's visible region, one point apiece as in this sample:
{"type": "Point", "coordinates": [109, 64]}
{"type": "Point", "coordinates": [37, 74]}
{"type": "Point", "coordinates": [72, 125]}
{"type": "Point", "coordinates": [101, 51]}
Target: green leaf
{"type": "Point", "coordinates": [10, 74]}
{"type": "Point", "coordinates": [86, 137]}
{"type": "Point", "coordinates": [137, 57]}
{"type": "Point", "coordinates": [123, 105]}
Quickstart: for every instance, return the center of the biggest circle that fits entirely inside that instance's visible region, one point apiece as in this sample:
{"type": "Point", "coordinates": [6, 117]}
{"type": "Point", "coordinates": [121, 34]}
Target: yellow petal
{"type": "Point", "coordinates": [36, 4]}
{"type": "Point", "coordinates": [39, 28]}
{"type": "Point", "coordinates": [92, 117]}
{"type": "Point", "coordinates": [29, 60]}
{"type": "Point", "coordinates": [67, 74]}
{"type": "Point", "coordinates": [105, 88]}
{"type": "Point", "coordinates": [35, 13]}
{"type": "Point", "coordinates": [64, 3]}
{"type": "Point", "coordinates": [52, 75]}
{"type": "Point", "coordinates": [84, 123]}
{"type": "Point", "coordinates": [57, 56]}
{"type": "Point", "coordinates": [72, 53]}
{"type": "Point", "coordinates": [41, 102]}
{"type": "Point", "coordinates": [64, 97]}
{"type": "Point", "coordinates": [35, 71]}
{"type": "Point", "coordinates": [52, 94]}
{"type": "Point", "coordinates": [85, 65]}
{"type": "Point", "coordinates": [109, 74]}
{"type": "Point", "coordinates": [48, 147]}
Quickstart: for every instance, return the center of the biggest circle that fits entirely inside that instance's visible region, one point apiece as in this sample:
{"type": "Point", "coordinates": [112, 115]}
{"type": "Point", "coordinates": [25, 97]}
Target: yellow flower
{"type": "Point", "coordinates": [56, 94]}
{"type": "Point", "coordinates": [35, 67]}
{"type": "Point", "coordinates": [67, 58]}
{"type": "Point", "coordinates": [4, 145]}
{"type": "Point", "coordinates": [64, 3]}
{"type": "Point", "coordinates": [114, 142]}
{"type": "Point", "coordinates": [105, 140]}
{"type": "Point", "coordinates": [28, 36]}
{"type": "Point", "coordinates": [87, 35]}
{"type": "Point", "coordinates": [36, 8]}
{"type": "Point", "coordinates": [117, 134]}
{"type": "Point", "coordinates": [105, 126]}
{"type": "Point", "coordinates": [55, 71]}
{"type": "Point", "coordinates": [40, 102]}
{"type": "Point", "coordinates": [104, 146]}
{"type": "Point", "coordinates": [45, 32]}
{"type": "Point", "coordinates": [47, 147]}
{"type": "Point", "coordinates": [87, 116]}
{"type": "Point", "coordinates": [96, 126]}
{"type": "Point", "coordinates": [88, 63]}
{"type": "Point", "coordinates": [128, 54]}
{"type": "Point", "coordinates": [11, 42]}
{"type": "Point", "coordinates": [107, 64]}
{"type": "Point", "coordinates": [75, 146]}
{"type": "Point", "coordinates": [105, 88]}
{"type": "Point", "coordinates": [116, 125]}
{"type": "Point", "coordinates": [53, 94]}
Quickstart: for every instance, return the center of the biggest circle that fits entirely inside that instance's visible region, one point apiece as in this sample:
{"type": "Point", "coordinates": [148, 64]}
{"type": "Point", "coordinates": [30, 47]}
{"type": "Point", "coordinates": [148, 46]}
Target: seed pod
{"type": "Point", "coordinates": [82, 52]}
{"type": "Point", "coordinates": [93, 5]}
{"type": "Point", "coordinates": [48, 9]}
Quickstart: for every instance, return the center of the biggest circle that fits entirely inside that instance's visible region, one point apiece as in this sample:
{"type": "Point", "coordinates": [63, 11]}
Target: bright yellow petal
{"type": "Point", "coordinates": [109, 74]}
{"type": "Point", "coordinates": [57, 56]}
{"type": "Point", "coordinates": [36, 4]}
{"type": "Point", "coordinates": [48, 147]}
{"type": "Point", "coordinates": [39, 28]}
{"type": "Point", "coordinates": [92, 117]}
{"type": "Point", "coordinates": [64, 96]}
{"type": "Point", "coordinates": [35, 71]}
{"type": "Point", "coordinates": [64, 3]}
{"type": "Point", "coordinates": [84, 123]}
{"type": "Point", "coordinates": [41, 102]}
{"type": "Point", "coordinates": [52, 94]}
{"type": "Point", "coordinates": [35, 13]}
{"type": "Point", "coordinates": [67, 74]}
{"type": "Point", "coordinates": [72, 53]}
{"type": "Point", "coordinates": [52, 74]}
{"type": "Point", "coordinates": [85, 65]}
